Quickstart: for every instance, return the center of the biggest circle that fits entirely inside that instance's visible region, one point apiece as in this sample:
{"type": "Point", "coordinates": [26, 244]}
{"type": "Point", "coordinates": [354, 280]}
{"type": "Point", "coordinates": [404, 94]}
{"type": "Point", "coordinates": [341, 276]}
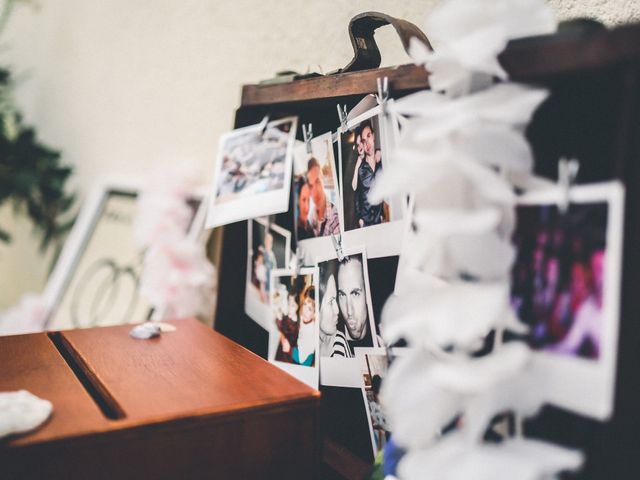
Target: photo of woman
{"type": "Point", "coordinates": [293, 342]}
{"type": "Point", "coordinates": [332, 341]}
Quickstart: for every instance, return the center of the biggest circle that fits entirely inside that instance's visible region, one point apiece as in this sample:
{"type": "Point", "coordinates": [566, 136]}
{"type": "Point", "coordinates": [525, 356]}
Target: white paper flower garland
{"type": "Point", "coordinates": [461, 153]}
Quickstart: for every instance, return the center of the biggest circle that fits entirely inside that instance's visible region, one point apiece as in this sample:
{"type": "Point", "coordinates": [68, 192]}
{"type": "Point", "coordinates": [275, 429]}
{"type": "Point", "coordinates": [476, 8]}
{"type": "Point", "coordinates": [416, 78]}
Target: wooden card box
{"type": "Point", "coordinates": [189, 404]}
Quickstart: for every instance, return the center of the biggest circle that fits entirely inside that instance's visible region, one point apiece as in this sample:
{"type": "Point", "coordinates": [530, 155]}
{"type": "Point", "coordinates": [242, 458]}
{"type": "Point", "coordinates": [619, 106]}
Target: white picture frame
{"type": "Point", "coordinates": [66, 275]}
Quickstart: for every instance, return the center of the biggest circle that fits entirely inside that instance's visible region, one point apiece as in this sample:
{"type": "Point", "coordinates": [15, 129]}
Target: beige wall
{"type": "Point", "coordinates": [121, 86]}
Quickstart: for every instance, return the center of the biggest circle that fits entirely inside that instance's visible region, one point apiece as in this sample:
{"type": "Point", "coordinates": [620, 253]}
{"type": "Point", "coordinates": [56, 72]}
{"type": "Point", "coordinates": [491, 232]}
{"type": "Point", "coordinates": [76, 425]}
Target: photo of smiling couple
{"type": "Point", "coordinates": [345, 317]}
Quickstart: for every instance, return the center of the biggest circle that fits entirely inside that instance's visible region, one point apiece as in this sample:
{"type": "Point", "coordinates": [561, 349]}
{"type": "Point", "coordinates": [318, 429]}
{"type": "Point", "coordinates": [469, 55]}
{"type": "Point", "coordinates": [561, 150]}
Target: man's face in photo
{"type": "Point", "coordinates": [303, 203]}
{"type": "Point", "coordinates": [352, 299]}
{"type": "Point", "coordinates": [316, 186]}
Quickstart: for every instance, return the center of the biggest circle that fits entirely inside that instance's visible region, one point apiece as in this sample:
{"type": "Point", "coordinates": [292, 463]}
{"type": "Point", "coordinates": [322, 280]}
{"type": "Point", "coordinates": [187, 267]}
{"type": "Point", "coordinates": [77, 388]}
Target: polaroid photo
{"type": "Point", "coordinates": [316, 196]}
{"type": "Point", "coordinates": [364, 147]}
{"type": "Point", "coordinates": [253, 172]}
{"type": "Point", "coordinates": [293, 335]}
{"type": "Point", "coordinates": [269, 247]}
{"type": "Point", "coordinates": [95, 281]}
{"type": "Point", "coordinates": [345, 421]}
{"type": "Point", "coordinates": [566, 288]}
{"type": "Point", "coordinates": [346, 317]}
{"type": "Point", "coordinates": [374, 364]}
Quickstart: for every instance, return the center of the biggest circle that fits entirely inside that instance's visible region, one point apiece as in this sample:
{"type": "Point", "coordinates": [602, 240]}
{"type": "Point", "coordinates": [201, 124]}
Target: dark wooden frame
{"type": "Point", "coordinates": [593, 114]}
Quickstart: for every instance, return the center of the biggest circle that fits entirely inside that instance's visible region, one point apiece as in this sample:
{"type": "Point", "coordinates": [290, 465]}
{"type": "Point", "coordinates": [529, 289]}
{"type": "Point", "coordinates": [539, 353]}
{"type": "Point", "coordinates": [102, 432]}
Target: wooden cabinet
{"type": "Point", "coordinates": [189, 404]}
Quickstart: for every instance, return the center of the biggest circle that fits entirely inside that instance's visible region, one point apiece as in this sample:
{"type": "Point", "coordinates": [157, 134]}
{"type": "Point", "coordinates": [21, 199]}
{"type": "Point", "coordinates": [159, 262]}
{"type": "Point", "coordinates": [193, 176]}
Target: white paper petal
{"type": "Point", "coordinates": [451, 222]}
{"type": "Point", "coordinates": [519, 394]}
{"type": "Point", "coordinates": [437, 315]}
{"type": "Point", "coordinates": [455, 459]}
{"type": "Point", "coordinates": [485, 257]}
{"type": "Point", "coordinates": [418, 51]}
{"type": "Point", "coordinates": [449, 76]}
{"type": "Point", "coordinates": [21, 412]}
{"type": "Point", "coordinates": [474, 375]}
{"type": "Point", "coordinates": [419, 103]}
{"type": "Point", "coordinates": [508, 103]}
{"type": "Point", "coordinates": [145, 331]}
{"type": "Point", "coordinates": [416, 409]}
{"type": "Point", "coordinates": [487, 181]}
{"type": "Point", "coordinates": [495, 145]}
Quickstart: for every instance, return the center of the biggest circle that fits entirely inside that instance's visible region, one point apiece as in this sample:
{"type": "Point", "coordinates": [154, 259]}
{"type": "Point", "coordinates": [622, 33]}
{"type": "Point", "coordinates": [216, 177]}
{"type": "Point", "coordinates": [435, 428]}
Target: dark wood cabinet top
{"type": "Point", "coordinates": [192, 372]}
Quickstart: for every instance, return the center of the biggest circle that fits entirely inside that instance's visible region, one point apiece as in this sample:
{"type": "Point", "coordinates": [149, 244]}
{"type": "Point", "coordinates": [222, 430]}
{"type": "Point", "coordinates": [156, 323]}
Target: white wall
{"type": "Point", "coordinates": [121, 86]}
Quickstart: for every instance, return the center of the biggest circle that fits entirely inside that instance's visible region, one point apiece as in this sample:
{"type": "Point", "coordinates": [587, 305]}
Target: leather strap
{"type": "Point", "coordinates": [366, 53]}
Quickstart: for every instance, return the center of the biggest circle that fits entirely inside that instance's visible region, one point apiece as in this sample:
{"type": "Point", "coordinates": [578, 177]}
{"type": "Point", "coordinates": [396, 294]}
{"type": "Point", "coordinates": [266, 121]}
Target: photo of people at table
{"type": "Point", "coordinates": [315, 190]}
{"type": "Point", "coordinates": [362, 161]}
{"type": "Point", "coordinates": [253, 161]}
{"type": "Point", "coordinates": [293, 301]}
{"type": "Point", "coordinates": [346, 317]}
{"type": "Point", "coordinates": [558, 279]}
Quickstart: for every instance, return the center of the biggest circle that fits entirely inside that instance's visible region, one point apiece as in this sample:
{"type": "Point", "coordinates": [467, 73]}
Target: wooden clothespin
{"type": "Point", "coordinates": [342, 114]}
{"type": "Point", "coordinates": [383, 94]}
{"type": "Point", "coordinates": [263, 125]}
{"type": "Point", "coordinates": [307, 133]}
{"type": "Point", "coordinates": [337, 244]}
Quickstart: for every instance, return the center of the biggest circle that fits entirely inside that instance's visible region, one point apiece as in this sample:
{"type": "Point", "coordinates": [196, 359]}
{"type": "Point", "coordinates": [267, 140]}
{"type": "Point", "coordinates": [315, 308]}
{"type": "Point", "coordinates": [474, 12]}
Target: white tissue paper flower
{"type": "Point", "coordinates": [455, 459]}
{"type": "Point", "coordinates": [28, 316]}
{"type": "Point", "coordinates": [416, 408]}
{"type": "Point", "coordinates": [461, 152]}
{"type": "Point", "coordinates": [163, 213]}
{"type": "Point", "coordinates": [160, 217]}
{"type": "Point", "coordinates": [449, 389]}
{"type": "Point", "coordinates": [178, 279]}
{"type": "Point", "coordinates": [456, 314]}
{"type": "Point", "coordinates": [476, 389]}
{"type": "Point", "coordinates": [508, 104]}
{"type": "Point", "coordinates": [468, 36]}
{"type": "Point", "coordinates": [21, 411]}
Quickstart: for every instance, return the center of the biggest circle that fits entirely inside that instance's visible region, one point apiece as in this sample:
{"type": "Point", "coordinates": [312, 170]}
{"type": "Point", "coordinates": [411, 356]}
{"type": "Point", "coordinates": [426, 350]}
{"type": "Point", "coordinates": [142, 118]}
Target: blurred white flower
{"type": "Point", "coordinates": [455, 314]}
{"type": "Point", "coordinates": [160, 218]}
{"type": "Point", "coordinates": [417, 409]}
{"type": "Point", "coordinates": [473, 390]}
{"type": "Point", "coordinates": [28, 316]}
{"type": "Point", "coordinates": [468, 36]}
{"type": "Point", "coordinates": [461, 152]}
{"type": "Point", "coordinates": [455, 459]}
{"type": "Point", "coordinates": [163, 213]}
{"type": "Point", "coordinates": [178, 279]}
{"type": "Point", "coordinates": [22, 411]}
